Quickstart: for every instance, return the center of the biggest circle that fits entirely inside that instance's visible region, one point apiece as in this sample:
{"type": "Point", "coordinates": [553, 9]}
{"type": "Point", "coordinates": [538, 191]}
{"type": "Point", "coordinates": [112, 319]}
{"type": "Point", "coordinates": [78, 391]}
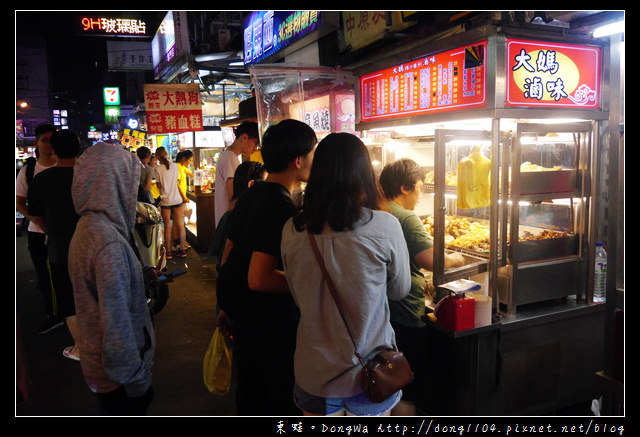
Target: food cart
{"type": "Point", "coordinates": [206, 146]}
{"type": "Point", "coordinates": [508, 123]}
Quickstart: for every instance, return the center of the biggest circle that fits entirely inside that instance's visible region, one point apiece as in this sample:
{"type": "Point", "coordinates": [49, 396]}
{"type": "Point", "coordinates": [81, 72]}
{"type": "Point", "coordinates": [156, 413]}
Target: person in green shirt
{"type": "Point", "coordinates": [402, 182]}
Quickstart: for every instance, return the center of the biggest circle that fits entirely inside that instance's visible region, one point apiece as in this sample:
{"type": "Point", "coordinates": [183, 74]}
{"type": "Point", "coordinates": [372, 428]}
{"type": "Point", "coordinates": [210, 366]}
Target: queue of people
{"type": "Point", "coordinates": [276, 299]}
{"type": "Point", "coordinates": [291, 353]}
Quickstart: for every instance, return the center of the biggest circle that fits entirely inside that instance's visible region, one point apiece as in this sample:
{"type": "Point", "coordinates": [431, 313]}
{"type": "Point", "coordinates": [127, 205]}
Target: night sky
{"type": "Point", "coordinates": [78, 63]}
{"type": "Point", "coordinates": [73, 55]}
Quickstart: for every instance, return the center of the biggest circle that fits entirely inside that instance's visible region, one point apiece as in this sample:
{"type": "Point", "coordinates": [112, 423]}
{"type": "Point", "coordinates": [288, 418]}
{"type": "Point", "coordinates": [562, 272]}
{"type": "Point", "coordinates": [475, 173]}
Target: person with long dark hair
{"type": "Point", "coordinates": [365, 253]}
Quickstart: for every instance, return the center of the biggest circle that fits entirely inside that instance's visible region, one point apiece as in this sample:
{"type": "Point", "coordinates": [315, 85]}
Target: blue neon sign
{"type": "Point", "coordinates": [267, 32]}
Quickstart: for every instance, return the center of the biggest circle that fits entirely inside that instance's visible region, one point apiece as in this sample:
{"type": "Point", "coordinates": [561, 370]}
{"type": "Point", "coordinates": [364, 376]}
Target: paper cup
{"type": "Point", "coordinates": [483, 310]}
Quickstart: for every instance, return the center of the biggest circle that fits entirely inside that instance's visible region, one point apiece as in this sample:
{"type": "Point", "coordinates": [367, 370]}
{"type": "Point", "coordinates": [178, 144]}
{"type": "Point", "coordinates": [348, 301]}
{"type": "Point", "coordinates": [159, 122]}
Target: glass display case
{"type": "Point", "coordinates": [548, 208]}
{"type": "Point", "coordinates": [458, 203]}
{"type": "Point", "coordinates": [511, 198]}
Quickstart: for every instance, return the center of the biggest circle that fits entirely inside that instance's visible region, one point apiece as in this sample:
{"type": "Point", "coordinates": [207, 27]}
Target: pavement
{"type": "Point", "coordinates": [183, 332]}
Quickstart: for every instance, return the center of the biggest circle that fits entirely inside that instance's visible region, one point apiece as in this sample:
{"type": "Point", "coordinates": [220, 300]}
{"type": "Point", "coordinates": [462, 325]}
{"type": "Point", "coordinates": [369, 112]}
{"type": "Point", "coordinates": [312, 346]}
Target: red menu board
{"type": "Point", "coordinates": [549, 74]}
{"type": "Point", "coordinates": [444, 81]}
{"type": "Point", "coordinates": [173, 108]}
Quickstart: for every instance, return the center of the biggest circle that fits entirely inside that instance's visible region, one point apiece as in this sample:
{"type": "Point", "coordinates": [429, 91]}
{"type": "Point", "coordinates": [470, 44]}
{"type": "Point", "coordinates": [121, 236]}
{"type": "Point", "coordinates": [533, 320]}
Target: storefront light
{"type": "Point", "coordinates": [609, 29]}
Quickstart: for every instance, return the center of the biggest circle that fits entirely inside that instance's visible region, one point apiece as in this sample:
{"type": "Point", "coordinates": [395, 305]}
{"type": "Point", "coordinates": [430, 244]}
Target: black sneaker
{"type": "Point", "coordinates": [50, 324]}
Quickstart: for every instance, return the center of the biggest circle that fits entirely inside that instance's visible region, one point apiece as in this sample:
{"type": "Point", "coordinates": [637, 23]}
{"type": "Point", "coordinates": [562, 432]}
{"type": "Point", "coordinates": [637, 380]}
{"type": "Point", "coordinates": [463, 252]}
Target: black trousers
{"type": "Point", "coordinates": [413, 343]}
{"type": "Point", "coordinates": [117, 403]}
{"type": "Point", "coordinates": [38, 252]}
{"type": "Point", "coordinates": [265, 378]}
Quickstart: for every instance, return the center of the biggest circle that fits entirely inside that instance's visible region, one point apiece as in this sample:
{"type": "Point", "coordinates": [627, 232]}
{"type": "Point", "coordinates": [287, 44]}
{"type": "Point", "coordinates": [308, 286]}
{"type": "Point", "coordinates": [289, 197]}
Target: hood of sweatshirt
{"type": "Point", "coordinates": [105, 181]}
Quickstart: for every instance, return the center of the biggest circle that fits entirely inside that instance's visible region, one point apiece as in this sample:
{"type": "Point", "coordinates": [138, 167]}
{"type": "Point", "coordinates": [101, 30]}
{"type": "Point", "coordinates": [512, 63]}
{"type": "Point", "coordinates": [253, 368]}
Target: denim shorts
{"type": "Point", "coordinates": [359, 405]}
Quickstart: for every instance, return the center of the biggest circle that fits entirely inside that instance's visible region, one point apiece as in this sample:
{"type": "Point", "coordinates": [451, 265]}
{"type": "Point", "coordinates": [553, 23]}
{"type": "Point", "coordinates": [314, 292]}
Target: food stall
{"type": "Point", "coordinates": [508, 124]}
{"type": "Point", "coordinates": [206, 146]}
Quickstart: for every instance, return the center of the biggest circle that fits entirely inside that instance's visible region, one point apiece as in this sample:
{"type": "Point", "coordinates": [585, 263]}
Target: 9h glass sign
{"type": "Point", "coordinates": [113, 26]}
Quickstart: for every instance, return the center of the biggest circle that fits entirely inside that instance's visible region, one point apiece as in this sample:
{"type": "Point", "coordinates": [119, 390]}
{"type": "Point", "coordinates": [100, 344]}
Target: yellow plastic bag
{"type": "Point", "coordinates": [217, 365]}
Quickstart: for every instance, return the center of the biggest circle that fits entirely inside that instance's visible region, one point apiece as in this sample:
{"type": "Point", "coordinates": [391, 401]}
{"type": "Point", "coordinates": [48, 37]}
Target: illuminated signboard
{"type": "Point", "coordinates": [209, 138]}
{"type": "Point", "coordinates": [132, 137]}
{"type": "Point", "coordinates": [170, 42]}
{"type": "Point", "coordinates": [546, 74]}
{"type": "Point", "coordinates": [111, 114]}
{"type": "Point", "coordinates": [444, 81]}
{"type": "Point", "coordinates": [267, 32]}
{"type": "Point", "coordinates": [111, 95]}
{"type": "Point", "coordinates": [173, 108]}
{"type": "Point", "coordinates": [113, 26]}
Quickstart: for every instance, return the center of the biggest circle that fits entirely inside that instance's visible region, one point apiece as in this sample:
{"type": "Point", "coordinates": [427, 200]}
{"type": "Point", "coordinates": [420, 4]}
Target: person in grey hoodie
{"type": "Point", "coordinates": [116, 336]}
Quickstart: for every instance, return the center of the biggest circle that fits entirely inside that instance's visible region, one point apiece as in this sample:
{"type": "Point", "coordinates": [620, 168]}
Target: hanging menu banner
{"type": "Point", "coordinates": [444, 81]}
{"type": "Point", "coordinates": [549, 74]}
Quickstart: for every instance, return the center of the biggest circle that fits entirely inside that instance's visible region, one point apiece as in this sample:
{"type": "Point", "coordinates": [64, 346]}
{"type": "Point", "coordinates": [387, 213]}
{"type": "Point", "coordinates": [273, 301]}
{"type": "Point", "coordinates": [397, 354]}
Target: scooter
{"type": "Point", "coordinates": [147, 239]}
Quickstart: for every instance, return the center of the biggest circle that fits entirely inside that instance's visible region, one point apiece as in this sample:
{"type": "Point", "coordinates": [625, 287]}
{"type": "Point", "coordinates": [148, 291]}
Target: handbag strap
{"type": "Point", "coordinates": [334, 293]}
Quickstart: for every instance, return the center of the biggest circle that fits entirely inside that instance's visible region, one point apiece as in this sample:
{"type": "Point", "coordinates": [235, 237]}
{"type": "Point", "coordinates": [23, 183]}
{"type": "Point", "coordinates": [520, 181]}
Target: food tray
{"type": "Point", "coordinates": [534, 250]}
{"type": "Point", "coordinates": [556, 181]}
{"type": "Point", "coordinates": [484, 254]}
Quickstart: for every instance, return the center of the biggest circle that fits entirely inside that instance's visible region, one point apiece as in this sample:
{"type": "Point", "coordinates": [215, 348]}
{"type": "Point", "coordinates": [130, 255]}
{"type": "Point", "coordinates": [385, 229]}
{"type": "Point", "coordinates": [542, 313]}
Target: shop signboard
{"type": "Point", "coordinates": [333, 112]}
{"type": "Point", "coordinates": [111, 114]}
{"type": "Point", "coordinates": [173, 108]}
{"type": "Point", "coordinates": [99, 25]}
{"type": "Point", "coordinates": [362, 28]}
{"type": "Point", "coordinates": [129, 56]}
{"type": "Point", "coordinates": [208, 139]}
{"type": "Point", "coordinates": [170, 43]}
{"type": "Point", "coordinates": [132, 137]}
{"type": "Point", "coordinates": [444, 81]}
{"type": "Point", "coordinates": [550, 74]}
{"type": "Point", "coordinates": [111, 95]}
{"type": "Point", "coordinates": [268, 32]}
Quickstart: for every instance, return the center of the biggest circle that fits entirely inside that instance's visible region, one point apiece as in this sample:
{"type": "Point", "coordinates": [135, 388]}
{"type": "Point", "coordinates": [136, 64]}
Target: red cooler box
{"type": "Point", "coordinates": [456, 312]}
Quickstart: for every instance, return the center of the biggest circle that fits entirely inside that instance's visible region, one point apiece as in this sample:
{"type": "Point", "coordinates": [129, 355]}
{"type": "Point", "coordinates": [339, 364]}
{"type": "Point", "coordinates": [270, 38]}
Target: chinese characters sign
{"type": "Point", "coordinates": [173, 108]}
{"type": "Point", "coordinates": [445, 81]}
{"type": "Point", "coordinates": [113, 26]}
{"type": "Point", "coordinates": [132, 137]}
{"type": "Point", "coordinates": [267, 32]}
{"type": "Point", "coordinates": [333, 112]}
{"type": "Point", "coordinates": [361, 28]}
{"type": "Point", "coordinates": [549, 74]}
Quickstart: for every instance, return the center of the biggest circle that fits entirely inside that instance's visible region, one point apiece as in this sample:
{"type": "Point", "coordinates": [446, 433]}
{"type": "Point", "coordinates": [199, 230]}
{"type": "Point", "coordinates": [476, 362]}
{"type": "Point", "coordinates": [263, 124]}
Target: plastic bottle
{"type": "Point", "coordinates": [600, 274]}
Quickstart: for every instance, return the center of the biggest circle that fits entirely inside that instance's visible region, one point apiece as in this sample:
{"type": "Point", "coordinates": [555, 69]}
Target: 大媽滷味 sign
{"type": "Point", "coordinates": [550, 74]}
{"type": "Point", "coordinates": [173, 108]}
